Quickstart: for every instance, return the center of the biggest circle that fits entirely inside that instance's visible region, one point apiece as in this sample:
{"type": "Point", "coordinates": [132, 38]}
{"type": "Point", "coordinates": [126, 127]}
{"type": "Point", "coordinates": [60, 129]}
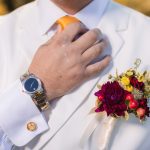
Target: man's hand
{"type": "Point", "coordinates": [64, 62]}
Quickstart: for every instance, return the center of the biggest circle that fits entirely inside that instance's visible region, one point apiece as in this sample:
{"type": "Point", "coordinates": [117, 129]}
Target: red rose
{"type": "Point", "coordinates": [143, 102]}
{"type": "Point", "coordinates": [113, 99]}
{"type": "Point", "coordinates": [136, 84]}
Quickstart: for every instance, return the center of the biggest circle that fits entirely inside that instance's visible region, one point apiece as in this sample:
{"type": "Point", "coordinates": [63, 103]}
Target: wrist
{"type": "Point", "coordinates": [49, 88]}
{"type": "Point", "coordinates": [33, 86]}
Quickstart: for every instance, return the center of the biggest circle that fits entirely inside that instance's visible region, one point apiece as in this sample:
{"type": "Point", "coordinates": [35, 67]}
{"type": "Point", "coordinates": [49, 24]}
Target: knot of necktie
{"type": "Point", "coordinates": [66, 20]}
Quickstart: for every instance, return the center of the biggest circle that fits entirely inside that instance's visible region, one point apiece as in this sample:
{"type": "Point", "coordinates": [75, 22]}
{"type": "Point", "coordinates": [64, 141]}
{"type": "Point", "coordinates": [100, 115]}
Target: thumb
{"type": "Point", "coordinates": [59, 29]}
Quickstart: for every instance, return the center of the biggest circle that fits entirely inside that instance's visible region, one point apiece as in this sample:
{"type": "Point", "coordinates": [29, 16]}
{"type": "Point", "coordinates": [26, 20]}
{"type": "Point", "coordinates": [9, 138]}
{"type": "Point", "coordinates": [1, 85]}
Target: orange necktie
{"type": "Point", "coordinates": [66, 20]}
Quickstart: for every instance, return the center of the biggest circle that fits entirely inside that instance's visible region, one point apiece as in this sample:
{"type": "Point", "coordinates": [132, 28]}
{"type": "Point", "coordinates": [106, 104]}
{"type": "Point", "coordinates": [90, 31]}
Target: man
{"type": "Point", "coordinates": [62, 126]}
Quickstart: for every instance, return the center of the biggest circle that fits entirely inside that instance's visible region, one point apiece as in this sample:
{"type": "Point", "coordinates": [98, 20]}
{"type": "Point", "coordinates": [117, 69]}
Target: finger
{"type": "Point", "coordinates": [72, 31]}
{"type": "Point", "coordinates": [55, 36]}
{"type": "Point", "coordinates": [96, 68]}
{"type": "Point", "coordinates": [93, 52]}
{"type": "Point", "coordinates": [88, 39]}
{"type": "Point", "coordinates": [59, 29]}
{"type": "Point", "coordinates": [69, 33]}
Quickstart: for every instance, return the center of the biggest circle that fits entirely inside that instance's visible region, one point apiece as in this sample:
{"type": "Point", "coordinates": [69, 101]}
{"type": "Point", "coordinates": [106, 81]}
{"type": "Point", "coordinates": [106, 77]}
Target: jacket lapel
{"type": "Point", "coordinates": [113, 23]}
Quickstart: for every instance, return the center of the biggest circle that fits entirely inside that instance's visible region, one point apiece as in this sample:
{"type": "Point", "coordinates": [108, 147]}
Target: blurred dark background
{"type": "Point", "coordinates": [7, 6]}
{"type": "Point", "coordinates": [12, 4]}
{"type": "Point", "coordinates": [143, 6]}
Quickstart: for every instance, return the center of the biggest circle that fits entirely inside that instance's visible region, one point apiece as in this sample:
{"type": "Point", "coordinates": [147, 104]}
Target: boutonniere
{"type": "Point", "coordinates": [125, 94]}
{"type": "Point", "coordinates": [122, 95]}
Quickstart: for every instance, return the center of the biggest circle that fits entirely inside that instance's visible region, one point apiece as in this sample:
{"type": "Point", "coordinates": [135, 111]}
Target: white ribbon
{"type": "Point", "coordinates": [106, 125]}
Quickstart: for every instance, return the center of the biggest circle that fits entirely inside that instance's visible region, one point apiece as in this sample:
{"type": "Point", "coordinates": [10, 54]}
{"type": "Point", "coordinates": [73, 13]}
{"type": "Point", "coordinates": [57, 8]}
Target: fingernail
{"type": "Point", "coordinates": [100, 36]}
{"type": "Point", "coordinates": [97, 30]}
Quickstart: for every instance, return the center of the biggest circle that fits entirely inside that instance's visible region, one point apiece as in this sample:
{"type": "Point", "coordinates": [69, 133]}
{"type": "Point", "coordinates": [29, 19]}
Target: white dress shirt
{"type": "Point", "coordinates": [16, 108]}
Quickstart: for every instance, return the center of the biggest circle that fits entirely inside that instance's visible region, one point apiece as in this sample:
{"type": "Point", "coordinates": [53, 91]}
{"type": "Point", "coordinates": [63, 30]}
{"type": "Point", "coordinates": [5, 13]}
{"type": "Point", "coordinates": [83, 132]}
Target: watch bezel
{"type": "Point", "coordinates": [39, 84]}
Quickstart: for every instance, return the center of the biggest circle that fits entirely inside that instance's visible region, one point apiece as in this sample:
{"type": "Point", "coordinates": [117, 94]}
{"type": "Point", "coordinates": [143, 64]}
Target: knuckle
{"type": "Point", "coordinates": [74, 26]}
{"type": "Point", "coordinates": [57, 39]}
{"type": "Point", "coordinates": [62, 40]}
{"type": "Point", "coordinates": [87, 75]}
{"type": "Point", "coordinates": [78, 73]}
{"type": "Point", "coordinates": [95, 34]}
{"type": "Point", "coordinates": [79, 67]}
{"type": "Point", "coordinates": [78, 25]}
{"type": "Point", "coordinates": [92, 56]}
{"type": "Point", "coordinates": [98, 48]}
{"type": "Point", "coordinates": [97, 69]}
{"type": "Point", "coordinates": [65, 37]}
{"type": "Point", "coordinates": [72, 49]}
{"type": "Point", "coordinates": [97, 31]}
{"type": "Point", "coordinates": [93, 71]}
{"type": "Point", "coordinates": [104, 64]}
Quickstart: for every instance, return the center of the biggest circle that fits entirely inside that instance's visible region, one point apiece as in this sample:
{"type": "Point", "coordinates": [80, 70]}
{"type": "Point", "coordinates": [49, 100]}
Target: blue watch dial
{"type": "Point", "coordinates": [31, 85]}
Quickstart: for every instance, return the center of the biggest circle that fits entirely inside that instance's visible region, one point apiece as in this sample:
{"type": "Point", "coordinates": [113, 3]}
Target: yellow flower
{"type": "Point", "coordinates": [126, 115]}
{"type": "Point", "coordinates": [129, 73]}
{"type": "Point", "coordinates": [148, 75]}
{"type": "Point", "coordinates": [125, 80]}
{"type": "Point", "coordinates": [141, 78]}
{"type": "Point", "coordinates": [97, 103]}
{"type": "Point", "coordinates": [129, 88]}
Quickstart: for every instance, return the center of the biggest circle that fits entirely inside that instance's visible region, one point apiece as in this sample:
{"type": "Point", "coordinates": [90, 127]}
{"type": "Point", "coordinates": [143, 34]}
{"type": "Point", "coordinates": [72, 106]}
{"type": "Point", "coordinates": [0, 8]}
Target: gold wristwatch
{"type": "Point", "coordinates": [32, 85]}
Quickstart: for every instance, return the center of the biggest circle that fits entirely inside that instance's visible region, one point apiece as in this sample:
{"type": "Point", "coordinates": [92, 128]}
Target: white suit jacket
{"type": "Point", "coordinates": [61, 128]}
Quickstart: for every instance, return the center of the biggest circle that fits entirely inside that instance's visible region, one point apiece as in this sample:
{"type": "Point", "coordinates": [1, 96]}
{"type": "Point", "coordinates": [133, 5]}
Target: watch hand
{"type": "Point", "coordinates": [32, 84]}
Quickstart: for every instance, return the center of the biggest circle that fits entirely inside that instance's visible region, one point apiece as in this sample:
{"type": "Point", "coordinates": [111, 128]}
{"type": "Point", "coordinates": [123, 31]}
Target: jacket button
{"type": "Point", "coordinates": [31, 126]}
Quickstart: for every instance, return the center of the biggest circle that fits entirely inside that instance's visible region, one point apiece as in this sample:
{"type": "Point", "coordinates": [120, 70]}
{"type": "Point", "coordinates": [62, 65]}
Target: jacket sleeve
{"type": "Point", "coordinates": [17, 110]}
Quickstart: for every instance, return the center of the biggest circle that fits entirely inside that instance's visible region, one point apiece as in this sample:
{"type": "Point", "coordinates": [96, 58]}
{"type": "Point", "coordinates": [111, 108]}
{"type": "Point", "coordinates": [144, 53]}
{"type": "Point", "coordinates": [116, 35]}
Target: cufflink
{"type": "Point", "coordinates": [31, 126]}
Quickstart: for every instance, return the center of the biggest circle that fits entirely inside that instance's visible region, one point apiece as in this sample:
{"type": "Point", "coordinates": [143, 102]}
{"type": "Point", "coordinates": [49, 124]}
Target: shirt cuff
{"type": "Point", "coordinates": [17, 110]}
